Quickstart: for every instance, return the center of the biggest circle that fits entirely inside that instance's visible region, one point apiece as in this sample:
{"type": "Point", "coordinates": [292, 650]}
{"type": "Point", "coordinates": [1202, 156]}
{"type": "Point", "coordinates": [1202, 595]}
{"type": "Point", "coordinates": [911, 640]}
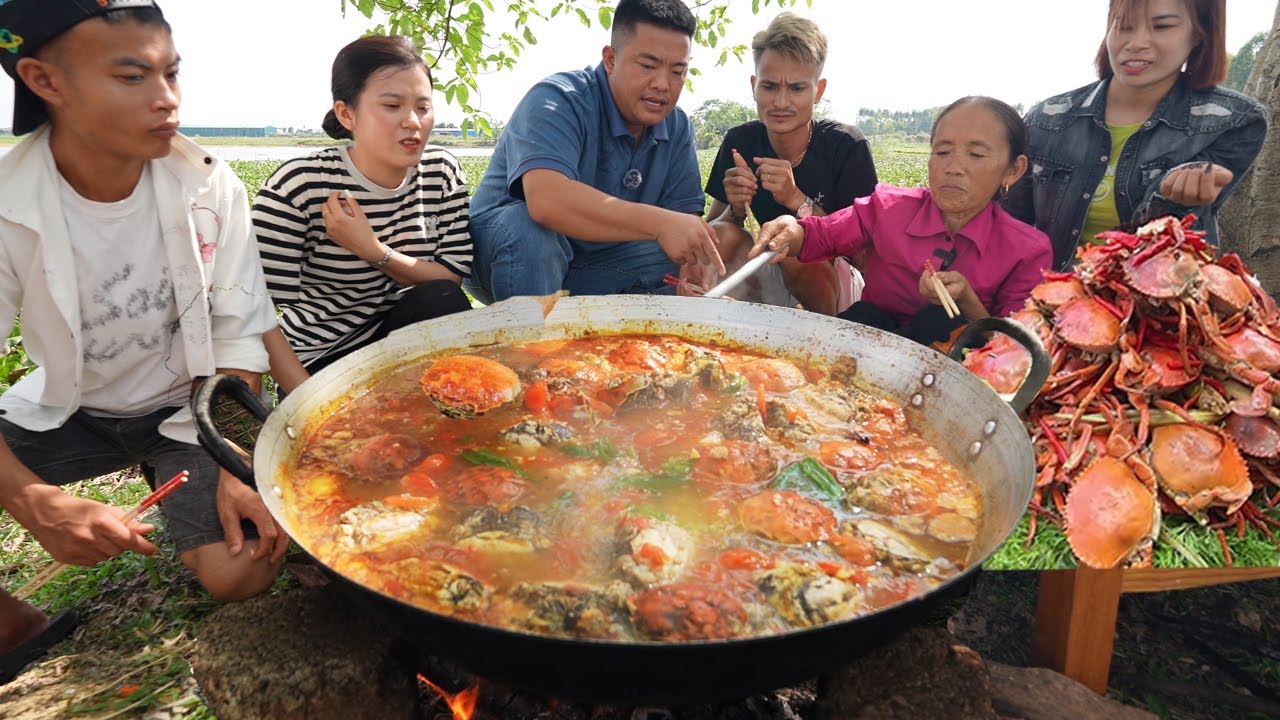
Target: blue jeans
{"type": "Point", "coordinates": [516, 256]}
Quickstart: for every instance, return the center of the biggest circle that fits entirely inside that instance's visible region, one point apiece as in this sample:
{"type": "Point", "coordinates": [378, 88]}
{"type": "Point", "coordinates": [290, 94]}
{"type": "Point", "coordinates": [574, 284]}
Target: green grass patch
{"type": "Point", "coordinates": [1182, 544]}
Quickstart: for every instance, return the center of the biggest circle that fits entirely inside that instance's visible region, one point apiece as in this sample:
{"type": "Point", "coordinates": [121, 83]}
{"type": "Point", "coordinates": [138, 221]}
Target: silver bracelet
{"type": "Point", "coordinates": [385, 259]}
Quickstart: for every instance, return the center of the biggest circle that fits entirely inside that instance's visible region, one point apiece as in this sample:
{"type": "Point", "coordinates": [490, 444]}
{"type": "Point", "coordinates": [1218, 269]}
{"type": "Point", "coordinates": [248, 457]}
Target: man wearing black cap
{"type": "Point", "coordinates": [128, 252]}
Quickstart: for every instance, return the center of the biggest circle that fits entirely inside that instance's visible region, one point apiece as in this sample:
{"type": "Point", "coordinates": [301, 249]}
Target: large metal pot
{"type": "Point", "coordinates": [972, 426]}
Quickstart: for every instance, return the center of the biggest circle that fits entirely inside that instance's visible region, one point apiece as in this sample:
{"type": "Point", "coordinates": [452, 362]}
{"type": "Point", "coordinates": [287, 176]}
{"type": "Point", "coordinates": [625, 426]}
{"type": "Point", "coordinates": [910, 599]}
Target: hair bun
{"type": "Point", "coordinates": [333, 128]}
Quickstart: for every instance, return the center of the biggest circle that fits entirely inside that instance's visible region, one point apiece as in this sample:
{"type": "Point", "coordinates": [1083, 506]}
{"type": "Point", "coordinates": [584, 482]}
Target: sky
{"type": "Point", "coordinates": [266, 62]}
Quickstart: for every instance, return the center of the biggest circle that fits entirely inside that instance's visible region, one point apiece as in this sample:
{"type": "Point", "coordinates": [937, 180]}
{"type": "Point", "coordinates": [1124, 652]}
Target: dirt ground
{"type": "Point", "coordinates": [1185, 655]}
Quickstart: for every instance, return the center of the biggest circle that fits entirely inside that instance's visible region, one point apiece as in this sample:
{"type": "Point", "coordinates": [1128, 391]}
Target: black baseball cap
{"type": "Point", "coordinates": [28, 25]}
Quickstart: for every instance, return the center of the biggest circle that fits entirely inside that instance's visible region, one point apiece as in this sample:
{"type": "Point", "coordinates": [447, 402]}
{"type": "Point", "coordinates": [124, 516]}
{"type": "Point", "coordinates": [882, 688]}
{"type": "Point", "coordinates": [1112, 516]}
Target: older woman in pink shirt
{"type": "Point", "coordinates": [987, 261]}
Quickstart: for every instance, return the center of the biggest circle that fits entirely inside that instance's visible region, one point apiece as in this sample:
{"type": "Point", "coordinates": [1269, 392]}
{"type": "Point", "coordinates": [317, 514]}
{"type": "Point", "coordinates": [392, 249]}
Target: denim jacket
{"type": "Point", "coordinates": [1071, 146]}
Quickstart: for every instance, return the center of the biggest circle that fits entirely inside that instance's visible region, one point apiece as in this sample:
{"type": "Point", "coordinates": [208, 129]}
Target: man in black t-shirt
{"type": "Point", "coordinates": [787, 162]}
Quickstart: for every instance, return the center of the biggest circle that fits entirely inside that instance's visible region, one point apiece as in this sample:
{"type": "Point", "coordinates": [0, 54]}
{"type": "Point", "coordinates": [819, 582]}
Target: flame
{"type": "Point", "coordinates": [462, 704]}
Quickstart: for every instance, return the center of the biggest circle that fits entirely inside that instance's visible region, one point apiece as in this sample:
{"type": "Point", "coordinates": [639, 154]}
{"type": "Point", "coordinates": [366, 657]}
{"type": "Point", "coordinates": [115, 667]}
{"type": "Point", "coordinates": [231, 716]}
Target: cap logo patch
{"type": "Point", "coordinates": [9, 41]}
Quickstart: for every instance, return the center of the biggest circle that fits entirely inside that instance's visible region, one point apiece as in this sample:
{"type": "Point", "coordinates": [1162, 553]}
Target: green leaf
{"type": "Point", "coordinates": [808, 476]}
{"type": "Point", "coordinates": [582, 15]}
{"type": "Point", "coordinates": [605, 15]}
{"type": "Point", "coordinates": [601, 450]}
{"type": "Point", "coordinates": [529, 38]}
{"type": "Point", "coordinates": [478, 456]}
{"type": "Point", "coordinates": [675, 472]}
{"type": "Point", "coordinates": [462, 95]}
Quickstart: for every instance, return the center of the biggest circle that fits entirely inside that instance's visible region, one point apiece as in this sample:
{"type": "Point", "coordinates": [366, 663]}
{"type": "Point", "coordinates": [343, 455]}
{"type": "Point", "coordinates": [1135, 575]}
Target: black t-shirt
{"type": "Point", "coordinates": [836, 169]}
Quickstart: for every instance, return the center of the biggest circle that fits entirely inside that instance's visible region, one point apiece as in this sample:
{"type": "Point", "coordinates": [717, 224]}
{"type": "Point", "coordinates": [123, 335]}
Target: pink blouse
{"type": "Point", "coordinates": [900, 228]}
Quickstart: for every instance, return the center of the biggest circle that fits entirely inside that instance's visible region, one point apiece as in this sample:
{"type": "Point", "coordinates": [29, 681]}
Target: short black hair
{"type": "Point", "coordinates": [667, 14]}
{"type": "Point", "coordinates": [140, 15]}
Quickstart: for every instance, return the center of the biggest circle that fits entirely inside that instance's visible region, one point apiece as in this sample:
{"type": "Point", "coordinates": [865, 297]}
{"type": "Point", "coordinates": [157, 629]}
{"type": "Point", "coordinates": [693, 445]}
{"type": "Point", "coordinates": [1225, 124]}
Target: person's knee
{"type": "Point", "coordinates": [227, 578]}
{"type": "Point", "coordinates": [516, 256]}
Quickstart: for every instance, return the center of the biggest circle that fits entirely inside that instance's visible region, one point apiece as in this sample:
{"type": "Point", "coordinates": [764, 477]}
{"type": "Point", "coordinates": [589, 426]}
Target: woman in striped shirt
{"type": "Point", "coordinates": [363, 239]}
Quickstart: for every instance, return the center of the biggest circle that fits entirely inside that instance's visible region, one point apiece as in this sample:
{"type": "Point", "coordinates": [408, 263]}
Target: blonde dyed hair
{"type": "Point", "coordinates": [796, 37]}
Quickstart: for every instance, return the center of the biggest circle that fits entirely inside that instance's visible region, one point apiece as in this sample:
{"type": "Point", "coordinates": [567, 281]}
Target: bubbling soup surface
{"type": "Point", "coordinates": [632, 487]}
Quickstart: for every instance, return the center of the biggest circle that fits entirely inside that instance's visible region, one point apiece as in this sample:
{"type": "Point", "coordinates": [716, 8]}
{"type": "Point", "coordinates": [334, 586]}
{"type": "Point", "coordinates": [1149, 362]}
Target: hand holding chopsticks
{"type": "Point", "coordinates": [44, 576]}
{"type": "Point", "coordinates": [944, 296]}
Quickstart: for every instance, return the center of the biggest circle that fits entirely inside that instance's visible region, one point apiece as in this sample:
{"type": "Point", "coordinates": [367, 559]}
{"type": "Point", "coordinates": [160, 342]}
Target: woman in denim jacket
{"type": "Point", "coordinates": [1148, 139]}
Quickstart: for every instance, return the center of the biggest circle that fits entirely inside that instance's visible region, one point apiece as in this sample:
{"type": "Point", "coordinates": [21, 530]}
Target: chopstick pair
{"type": "Point", "coordinates": [948, 302]}
{"type": "Point", "coordinates": [675, 282]}
{"type": "Point", "coordinates": [44, 576]}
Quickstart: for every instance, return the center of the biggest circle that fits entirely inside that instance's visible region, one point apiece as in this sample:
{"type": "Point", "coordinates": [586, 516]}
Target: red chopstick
{"type": "Point", "coordinates": [675, 281]}
{"type": "Point", "coordinates": [38, 581]}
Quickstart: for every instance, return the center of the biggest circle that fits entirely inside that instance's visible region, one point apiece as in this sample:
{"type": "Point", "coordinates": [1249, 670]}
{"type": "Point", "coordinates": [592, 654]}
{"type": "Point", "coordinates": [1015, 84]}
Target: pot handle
{"type": "Point", "coordinates": [1040, 362]}
{"type": "Point", "coordinates": [207, 431]}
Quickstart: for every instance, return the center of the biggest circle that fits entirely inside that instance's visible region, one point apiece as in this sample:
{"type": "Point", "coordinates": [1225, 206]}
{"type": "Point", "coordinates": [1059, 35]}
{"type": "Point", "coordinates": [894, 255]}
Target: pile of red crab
{"type": "Point", "coordinates": [1162, 395]}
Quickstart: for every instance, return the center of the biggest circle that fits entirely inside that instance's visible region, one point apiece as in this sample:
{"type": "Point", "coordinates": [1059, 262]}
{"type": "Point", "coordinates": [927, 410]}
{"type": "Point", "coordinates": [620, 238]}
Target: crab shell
{"type": "Point", "coordinates": [1228, 292]}
{"type": "Point", "coordinates": [1199, 468]}
{"type": "Point", "coordinates": [1086, 324]}
{"type": "Point", "coordinates": [464, 386]}
{"type": "Point", "coordinates": [1254, 348]}
{"type": "Point", "coordinates": [1256, 436]}
{"type": "Point", "coordinates": [1002, 363]}
{"type": "Point", "coordinates": [1165, 371]}
{"type": "Point", "coordinates": [1111, 517]}
{"type": "Point", "coordinates": [1170, 273]}
{"type": "Point", "coordinates": [1052, 294]}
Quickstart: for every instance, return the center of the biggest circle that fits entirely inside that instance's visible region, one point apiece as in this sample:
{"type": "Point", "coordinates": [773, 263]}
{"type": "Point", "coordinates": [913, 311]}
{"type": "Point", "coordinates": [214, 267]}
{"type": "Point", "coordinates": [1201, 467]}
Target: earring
{"type": "Point", "coordinates": [1004, 191]}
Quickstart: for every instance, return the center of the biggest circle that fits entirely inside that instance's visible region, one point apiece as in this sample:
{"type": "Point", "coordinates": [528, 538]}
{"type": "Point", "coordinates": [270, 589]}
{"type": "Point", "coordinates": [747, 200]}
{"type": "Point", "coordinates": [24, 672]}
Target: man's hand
{"type": "Point", "coordinates": [238, 501]}
{"type": "Point", "coordinates": [776, 177]}
{"type": "Point", "coordinates": [782, 235]}
{"type": "Point", "coordinates": [77, 531]}
{"type": "Point", "coordinates": [688, 239]}
{"type": "Point", "coordinates": [1196, 183]}
{"type": "Point", "coordinates": [740, 186]}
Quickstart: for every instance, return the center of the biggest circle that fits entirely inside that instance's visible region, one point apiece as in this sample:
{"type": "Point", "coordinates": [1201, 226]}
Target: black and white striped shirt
{"type": "Point", "coordinates": [330, 299]}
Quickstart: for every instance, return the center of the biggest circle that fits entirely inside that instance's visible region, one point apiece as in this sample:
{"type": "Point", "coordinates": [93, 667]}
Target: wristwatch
{"type": "Point", "coordinates": [806, 208]}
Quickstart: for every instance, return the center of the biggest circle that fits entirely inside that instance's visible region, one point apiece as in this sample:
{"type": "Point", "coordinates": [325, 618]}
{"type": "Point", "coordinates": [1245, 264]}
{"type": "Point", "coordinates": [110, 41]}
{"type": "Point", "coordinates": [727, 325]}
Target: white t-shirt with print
{"type": "Point", "coordinates": [133, 354]}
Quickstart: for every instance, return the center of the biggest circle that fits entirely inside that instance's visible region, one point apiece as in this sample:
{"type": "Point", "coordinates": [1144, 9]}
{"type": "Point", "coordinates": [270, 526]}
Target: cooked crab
{"type": "Point", "coordinates": [489, 529]}
{"type": "Point", "coordinates": [376, 525]}
{"type": "Point", "coordinates": [440, 586]}
{"type": "Point", "coordinates": [575, 610]}
{"type": "Point", "coordinates": [653, 551]}
{"type": "Point", "coordinates": [806, 596]}
{"type": "Point", "coordinates": [787, 517]}
{"type": "Point", "coordinates": [1111, 516]}
{"type": "Point", "coordinates": [1199, 467]}
{"type": "Point", "coordinates": [687, 611]}
{"type": "Point", "coordinates": [535, 433]}
{"type": "Point", "coordinates": [464, 386]}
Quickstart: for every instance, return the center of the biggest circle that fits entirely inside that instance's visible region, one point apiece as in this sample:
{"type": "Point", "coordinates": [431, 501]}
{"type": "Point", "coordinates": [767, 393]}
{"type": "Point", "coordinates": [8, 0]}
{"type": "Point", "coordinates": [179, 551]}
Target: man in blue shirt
{"type": "Point", "coordinates": [594, 186]}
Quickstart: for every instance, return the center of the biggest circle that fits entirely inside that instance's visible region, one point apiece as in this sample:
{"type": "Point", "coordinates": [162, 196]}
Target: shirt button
{"type": "Point", "coordinates": [1075, 232]}
{"type": "Point", "coordinates": [1086, 196]}
{"type": "Point", "coordinates": [1103, 158]}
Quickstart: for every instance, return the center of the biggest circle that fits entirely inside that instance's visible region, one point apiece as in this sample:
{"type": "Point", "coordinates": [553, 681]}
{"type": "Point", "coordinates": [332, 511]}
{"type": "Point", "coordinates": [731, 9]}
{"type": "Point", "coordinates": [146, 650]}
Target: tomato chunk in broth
{"type": "Point", "coordinates": [633, 487]}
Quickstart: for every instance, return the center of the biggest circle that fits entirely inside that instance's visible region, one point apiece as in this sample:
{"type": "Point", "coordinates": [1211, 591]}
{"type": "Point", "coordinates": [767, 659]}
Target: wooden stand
{"type": "Point", "coordinates": [1076, 612]}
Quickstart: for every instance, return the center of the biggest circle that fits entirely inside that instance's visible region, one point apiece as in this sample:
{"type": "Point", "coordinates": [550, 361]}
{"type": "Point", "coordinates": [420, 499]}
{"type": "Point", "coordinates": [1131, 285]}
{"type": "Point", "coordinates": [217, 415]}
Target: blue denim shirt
{"type": "Point", "coordinates": [1071, 147]}
{"type": "Point", "coordinates": [570, 123]}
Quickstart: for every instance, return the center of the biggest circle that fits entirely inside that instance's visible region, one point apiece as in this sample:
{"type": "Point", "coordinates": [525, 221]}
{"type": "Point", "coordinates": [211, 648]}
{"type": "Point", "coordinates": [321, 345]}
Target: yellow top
{"type": "Point", "coordinates": [1102, 208]}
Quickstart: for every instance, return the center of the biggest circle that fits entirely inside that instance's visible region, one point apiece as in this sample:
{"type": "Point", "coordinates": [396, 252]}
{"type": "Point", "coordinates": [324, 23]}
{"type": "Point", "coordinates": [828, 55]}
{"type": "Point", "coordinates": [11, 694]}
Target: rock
{"type": "Point", "coordinates": [1042, 694]}
{"type": "Point", "coordinates": [305, 653]}
{"type": "Point", "coordinates": [925, 674]}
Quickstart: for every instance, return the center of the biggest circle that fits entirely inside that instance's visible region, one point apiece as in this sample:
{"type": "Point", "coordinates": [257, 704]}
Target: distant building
{"type": "Point", "coordinates": [452, 132]}
{"type": "Point", "coordinates": [229, 131]}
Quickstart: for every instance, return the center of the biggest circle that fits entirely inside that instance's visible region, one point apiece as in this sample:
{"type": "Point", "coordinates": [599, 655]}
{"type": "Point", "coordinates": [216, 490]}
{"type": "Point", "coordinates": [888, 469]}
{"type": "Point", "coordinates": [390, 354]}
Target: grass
{"type": "Point", "coordinates": [1182, 544]}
